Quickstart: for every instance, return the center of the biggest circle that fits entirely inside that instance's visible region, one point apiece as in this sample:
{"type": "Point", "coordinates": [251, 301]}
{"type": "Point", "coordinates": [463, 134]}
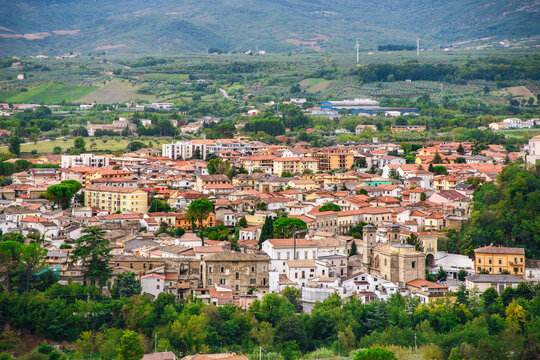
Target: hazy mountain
{"type": "Point", "coordinates": [143, 26]}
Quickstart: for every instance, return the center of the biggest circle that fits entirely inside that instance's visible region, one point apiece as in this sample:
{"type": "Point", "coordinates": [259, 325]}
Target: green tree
{"type": "Point", "coordinates": [131, 348]}
{"type": "Point", "coordinates": [79, 145]}
{"type": "Point", "coordinates": [32, 258]}
{"type": "Point", "coordinates": [15, 145]}
{"type": "Point", "coordinates": [330, 207]}
{"type": "Point", "coordinates": [291, 328]}
{"type": "Point", "coordinates": [293, 295]}
{"type": "Point", "coordinates": [218, 167]}
{"type": "Point", "coordinates": [198, 211]}
{"type": "Point", "coordinates": [437, 158]}
{"type": "Point", "coordinates": [284, 228]}
{"type": "Point", "coordinates": [57, 150]}
{"type": "Point", "coordinates": [442, 275]}
{"type": "Point", "coordinates": [62, 194]}
{"type": "Point", "coordinates": [10, 257]}
{"type": "Point", "coordinates": [92, 251]}
{"type": "Point", "coordinates": [460, 150]}
{"type": "Point", "coordinates": [291, 350]}
{"type": "Point", "coordinates": [135, 145]}
{"type": "Point", "coordinates": [354, 249]}
{"type": "Point", "coordinates": [126, 285]}
{"type": "Point", "coordinates": [159, 206]}
{"type": "Point", "coordinates": [375, 354]}
{"type": "Point", "coordinates": [287, 174]}
{"type": "Point", "coordinates": [267, 231]}
{"type": "Point", "coordinates": [414, 240]}
{"type": "Point", "coordinates": [242, 223]}
{"type": "Point", "coordinates": [462, 274]}
{"type": "Point", "coordinates": [422, 196]}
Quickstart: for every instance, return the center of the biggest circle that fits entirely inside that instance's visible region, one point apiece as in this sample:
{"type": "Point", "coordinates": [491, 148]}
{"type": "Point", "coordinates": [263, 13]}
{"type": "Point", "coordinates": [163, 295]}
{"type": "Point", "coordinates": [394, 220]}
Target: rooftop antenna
{"type": "Point", "coordinates": [417, 46]}
{"type": "Point", "coordinates": [357, 48]}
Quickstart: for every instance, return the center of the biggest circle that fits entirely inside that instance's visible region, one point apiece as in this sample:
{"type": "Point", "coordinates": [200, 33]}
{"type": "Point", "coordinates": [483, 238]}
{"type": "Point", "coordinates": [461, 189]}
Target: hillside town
{"type": "Point", "coordinates": [357, 220]}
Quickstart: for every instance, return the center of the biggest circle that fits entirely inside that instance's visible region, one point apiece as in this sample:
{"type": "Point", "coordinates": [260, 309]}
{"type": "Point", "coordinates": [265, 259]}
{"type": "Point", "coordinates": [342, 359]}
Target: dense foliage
{"type": "Point", "coordinates": [485, 326]}
{"type": "Point", "coordinates": [506, 213]}
{"type": "Point", "coordinates": [494, 69]}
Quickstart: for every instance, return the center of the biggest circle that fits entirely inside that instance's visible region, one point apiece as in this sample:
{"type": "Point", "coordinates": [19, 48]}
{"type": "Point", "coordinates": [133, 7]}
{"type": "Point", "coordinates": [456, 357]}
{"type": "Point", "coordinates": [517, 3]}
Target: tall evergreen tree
{"type": "Point", "coordinates": [267, 231]}
{"type": "Point", "coordinates": [93, 253]}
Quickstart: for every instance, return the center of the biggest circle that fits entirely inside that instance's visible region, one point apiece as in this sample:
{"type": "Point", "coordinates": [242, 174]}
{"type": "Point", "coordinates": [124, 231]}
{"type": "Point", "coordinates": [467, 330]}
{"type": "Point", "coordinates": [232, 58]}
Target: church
{"type": "Point", "coordinates": [394, 260]}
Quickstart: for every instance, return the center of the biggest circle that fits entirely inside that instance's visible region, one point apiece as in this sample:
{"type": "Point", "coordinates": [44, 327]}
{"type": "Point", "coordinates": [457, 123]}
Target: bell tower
{"type": "Point", "coordinates": [368, 239]}
{"type": "Point", "coordinates": [393, 234]}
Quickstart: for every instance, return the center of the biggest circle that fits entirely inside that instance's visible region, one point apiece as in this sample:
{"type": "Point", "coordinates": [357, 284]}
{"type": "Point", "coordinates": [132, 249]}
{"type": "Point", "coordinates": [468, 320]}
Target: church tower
{"type": "Point", "coordinates": [393, 235]}
{"type": "Point", "coordinates": [368, 239]}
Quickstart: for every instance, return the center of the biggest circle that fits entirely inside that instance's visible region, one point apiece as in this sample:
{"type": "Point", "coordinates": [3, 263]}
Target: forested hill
{"type": "Point", "coordinates": [176, 26]}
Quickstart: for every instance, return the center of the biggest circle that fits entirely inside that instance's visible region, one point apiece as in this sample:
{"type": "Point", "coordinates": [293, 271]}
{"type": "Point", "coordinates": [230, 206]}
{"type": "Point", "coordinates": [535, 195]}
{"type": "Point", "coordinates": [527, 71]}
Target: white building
{"type": "Point", "coordinates": [84, 160]}
{"type": "Point", "coordinates": [153, 284]}
{"type": "Point", "coordinates": [281, 250]}
{"type": "Point", "coordinates": [534, 150]}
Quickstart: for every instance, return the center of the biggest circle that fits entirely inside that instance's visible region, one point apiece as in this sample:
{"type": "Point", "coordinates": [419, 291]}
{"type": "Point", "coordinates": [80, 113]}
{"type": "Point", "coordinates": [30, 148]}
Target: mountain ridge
{"type": "Point", "coordinates": [135, 26]}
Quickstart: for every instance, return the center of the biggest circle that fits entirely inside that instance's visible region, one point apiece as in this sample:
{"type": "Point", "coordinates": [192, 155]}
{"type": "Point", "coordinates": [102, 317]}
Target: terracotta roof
{"type": "Point", "coordinates": [118, 189]}
{"type": "Point", "coordinates": [290, 242]}
{"type": "Point", "coordinates": [301, 263]}
{"type": "Point", "coordinates": [418, 283]}
{"type": "Point", "coordinates": [499, 250]}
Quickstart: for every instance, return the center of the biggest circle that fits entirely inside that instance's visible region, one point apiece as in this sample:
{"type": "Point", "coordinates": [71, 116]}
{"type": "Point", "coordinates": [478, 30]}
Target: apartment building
{"type": "Point", "coordinates": [115, 198]}
{"type": "Point", "coordinates": [500, 260]}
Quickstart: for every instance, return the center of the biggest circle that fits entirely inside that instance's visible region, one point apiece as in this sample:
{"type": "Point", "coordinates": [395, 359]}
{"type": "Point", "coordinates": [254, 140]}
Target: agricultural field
{"type": "Point", "coordinates": [115, 91]}
{"type": "Point", "coordinates": [171, 78]}
{"type": "Point", "coordinates": [105, 144]}
{"type": "Point", "coordinates": [47, 93]}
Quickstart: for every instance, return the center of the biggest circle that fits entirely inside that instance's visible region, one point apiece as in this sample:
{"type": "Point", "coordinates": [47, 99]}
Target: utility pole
{"type": "Point", "coordinates": [417, 46]}
{"type": "Point", "coordinates": [155, 342]}
{"type": "Point", "coordinates": [260, 352]}
{"type": "Point", "coordinates": [357, 48]}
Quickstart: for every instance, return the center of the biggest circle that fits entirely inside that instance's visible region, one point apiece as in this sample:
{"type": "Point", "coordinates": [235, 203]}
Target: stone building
{"type": "Point", "coordinates": [240, 271]}
{"type": "Point", "coordinates": [394, 260]}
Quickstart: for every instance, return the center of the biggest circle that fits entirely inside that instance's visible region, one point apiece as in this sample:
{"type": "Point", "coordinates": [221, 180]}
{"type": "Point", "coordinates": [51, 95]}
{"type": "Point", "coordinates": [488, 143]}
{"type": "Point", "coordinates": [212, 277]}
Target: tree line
{"type": "Point", "coordinates": [492, 69]}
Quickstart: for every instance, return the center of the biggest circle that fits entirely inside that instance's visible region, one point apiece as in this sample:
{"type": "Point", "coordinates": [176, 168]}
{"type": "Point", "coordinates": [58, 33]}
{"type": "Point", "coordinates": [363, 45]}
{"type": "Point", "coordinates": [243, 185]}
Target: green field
{"type": "Point", "coordinates": [107, 144]}
{"type": "Point", "coordinates": [47, 93]}
{"type": "Point", "coordinates": [172, 78]}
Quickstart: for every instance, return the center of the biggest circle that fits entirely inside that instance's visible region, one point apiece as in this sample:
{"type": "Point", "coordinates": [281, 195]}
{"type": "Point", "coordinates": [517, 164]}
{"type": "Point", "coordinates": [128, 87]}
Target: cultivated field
{"type": "Point", "coordinates": [92, 145]}
{"type": "Point", "coordinates": [47, 93]}
{"type": "Point", "coordinates": [115, 91]}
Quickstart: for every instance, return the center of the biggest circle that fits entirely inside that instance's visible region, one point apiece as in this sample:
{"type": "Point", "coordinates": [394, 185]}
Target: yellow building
{"type": "Point", "coordinates": [499, 259]}
{"type": "Point", "coordinates": [115, 198]}
{"type": "Point", "coordinates": [330, 159]}
{"type": "Point", "coordinates": [294, 165]}
{"type": "Point", "coordinates": [445, 182]}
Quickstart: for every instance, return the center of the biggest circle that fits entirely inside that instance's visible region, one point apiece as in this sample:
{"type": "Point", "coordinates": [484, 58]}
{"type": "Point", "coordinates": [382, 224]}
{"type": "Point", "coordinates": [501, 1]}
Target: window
{"type": "Point", "coordinates": [489, 261]}
{"type": "Point", "coordinates": [413, 264]}
{"type": "Point", "coordinates": [144, 265]}
{"type": "Point", "coordinates": [253, 281]}
{"type": "Point", "coordinates": [237, 276]}
{"type": "Point", "coordinates": [222, 281]}
{"type": "Point", "coordinates": [479, 260]}
{"type": "Point", "coordinates": [209, 281]}
{"type": "Point", "coordinates": [500, 261]}
{"type": "Point", "coordinates": [479, 269]}
{"type": "Point", "coordinates": [253, 269]}
{"type": "Point", "coordinates": [210, 269]}
{"type": "Point", "coordinates": [222, 269]}
{"type": "Point", "coordinates": [236, 287]}
{"type": "Point", "coordinates": [157, 287]}
{"type": "Point", "coordinates": [131, 266]}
